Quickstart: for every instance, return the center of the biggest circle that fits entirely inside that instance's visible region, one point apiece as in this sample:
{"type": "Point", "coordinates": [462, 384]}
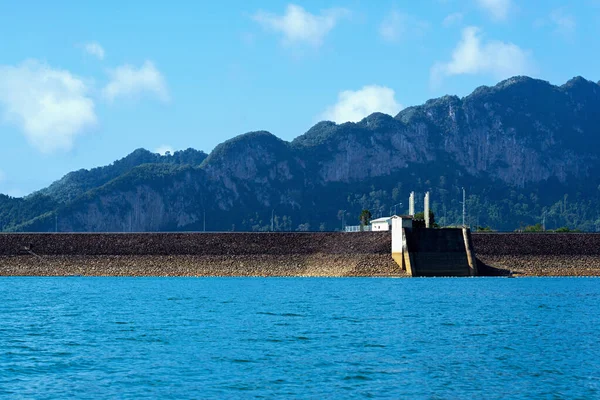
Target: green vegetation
{"type": "Point", "coordinates": [534, 228]}
{"type": "Point", "coordinates": [566, 229]}
{"type": "Point", "coordinates": [420, 216]}
{"type": "Point", "coordinates": [75, 184]}
{"type": "Point", "coordinates": [538, 166]}
{"type": "Point", "coordinates": [364, 218]}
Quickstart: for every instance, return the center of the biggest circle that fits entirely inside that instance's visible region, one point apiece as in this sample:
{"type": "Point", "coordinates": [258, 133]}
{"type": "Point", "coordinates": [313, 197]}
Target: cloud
{"type": "Point", "coordinates": [298, 26]}
{"type": "Point", "coordinates": [564, 23]}
{"type": "Point", "coordinates": [473, 56]}
{"type": "Point", "coordinates": [353, 106]}
{"type": "Point", "coordinates": [497, 9]}
{"type": "Point", "coordinates": [397, 26]}
{"type": "Point", "coordinates": [452, 19]}
{"type": "Point", "coordinates": [560, 21]}
{"type": "Point", "coordinates": [162, 150]}
{"type": "Point", "coordinates": [129, 81]}
{"type": "Point", "coordinates": [94, 49]}
{"type": "Point", "coordinates": [51, 106]}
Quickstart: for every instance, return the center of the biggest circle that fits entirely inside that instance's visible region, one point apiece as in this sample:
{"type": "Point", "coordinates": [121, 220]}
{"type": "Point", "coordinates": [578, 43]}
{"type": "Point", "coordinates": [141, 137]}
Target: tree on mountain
{"type": "Point", "coordinates": [303, 227]}
{"type": "Point", "coordinates": [364, 218]}
{"type": "Point", "coordinates": [566, 229]}
{"type": "Point", "coordinates": [534, 228]}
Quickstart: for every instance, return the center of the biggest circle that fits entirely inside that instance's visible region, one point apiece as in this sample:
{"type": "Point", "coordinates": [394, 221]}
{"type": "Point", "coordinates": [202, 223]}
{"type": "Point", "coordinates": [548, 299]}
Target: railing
{"type": "Point", "coordinates": [356, 228]}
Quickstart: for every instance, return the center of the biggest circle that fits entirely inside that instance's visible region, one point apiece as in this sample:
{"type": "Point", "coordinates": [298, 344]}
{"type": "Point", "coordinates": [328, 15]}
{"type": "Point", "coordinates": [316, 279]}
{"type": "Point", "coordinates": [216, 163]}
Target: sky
{"type": "Point", "coordinates": [83, 84]}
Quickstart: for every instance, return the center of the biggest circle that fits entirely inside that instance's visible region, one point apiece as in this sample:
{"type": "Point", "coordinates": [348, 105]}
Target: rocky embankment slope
{"type": "Point", "coordinates": [538, 254]}
{"type": "Point", "coordinates": [278, 254]}
{"type": "Point", "coordinates": [198, 254]}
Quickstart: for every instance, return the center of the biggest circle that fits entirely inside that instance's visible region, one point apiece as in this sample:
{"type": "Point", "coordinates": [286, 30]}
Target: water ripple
{"type": "Point", "coordinates": [298, 338]}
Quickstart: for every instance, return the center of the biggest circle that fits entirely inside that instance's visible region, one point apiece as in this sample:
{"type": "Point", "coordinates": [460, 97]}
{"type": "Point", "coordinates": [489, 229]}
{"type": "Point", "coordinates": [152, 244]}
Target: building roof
{"type": "Point", "coordinates": [387, 219]}
{"type": "Point", "coordinates": [402, 216]}
{"type": "Point", "coordinates": [384, 219]}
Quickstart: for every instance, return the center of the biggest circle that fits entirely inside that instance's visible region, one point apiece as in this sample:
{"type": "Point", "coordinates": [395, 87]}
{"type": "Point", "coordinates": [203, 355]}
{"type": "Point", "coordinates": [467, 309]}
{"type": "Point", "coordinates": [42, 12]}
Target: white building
{"type": "Point", "coordinates": [385, 223]}
{"type": "Point", "coordinates": [381, 224]}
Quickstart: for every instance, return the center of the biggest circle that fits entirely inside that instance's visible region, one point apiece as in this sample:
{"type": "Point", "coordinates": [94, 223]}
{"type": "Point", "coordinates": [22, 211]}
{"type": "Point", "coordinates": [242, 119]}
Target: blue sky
{"type": "Point", "coordinates": [84, 84]}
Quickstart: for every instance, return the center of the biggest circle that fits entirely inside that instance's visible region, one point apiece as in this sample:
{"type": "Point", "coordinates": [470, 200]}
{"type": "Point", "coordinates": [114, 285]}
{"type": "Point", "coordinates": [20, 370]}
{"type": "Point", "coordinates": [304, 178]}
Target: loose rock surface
{"type": "Point", "coordinates": [198, 254]}
{"type": "Point", "coordinates": [278, 254]}
{"type": "Point", "coordinates": [539, 254]}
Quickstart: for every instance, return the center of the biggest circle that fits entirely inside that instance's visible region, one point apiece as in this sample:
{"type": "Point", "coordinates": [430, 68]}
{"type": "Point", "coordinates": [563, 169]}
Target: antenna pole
{"type": "Point", "coordinates": [544, 222]}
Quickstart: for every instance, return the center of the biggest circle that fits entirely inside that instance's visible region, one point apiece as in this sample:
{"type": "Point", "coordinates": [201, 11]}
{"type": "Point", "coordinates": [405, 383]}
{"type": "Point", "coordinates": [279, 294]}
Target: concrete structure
{"type": "Point", "coordinates": [399, 224]}
{"type": "Point", "coordinates": [385, 223]}
{"type": "Point", "coordinates": [432, 252]}
{"type": "Point", "coordinates": [381, 224]}
{"type": "Point", "coordinates": [439, 252]}
{"type": "Point", "coordinates": [426, 212]}
{"type": "Point", "coordinates": [411, 204]}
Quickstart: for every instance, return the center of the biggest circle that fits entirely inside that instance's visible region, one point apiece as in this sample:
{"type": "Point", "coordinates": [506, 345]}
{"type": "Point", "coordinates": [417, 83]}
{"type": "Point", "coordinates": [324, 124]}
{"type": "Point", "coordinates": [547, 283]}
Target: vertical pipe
{"type": "Point", "coordinates": [426, 213]}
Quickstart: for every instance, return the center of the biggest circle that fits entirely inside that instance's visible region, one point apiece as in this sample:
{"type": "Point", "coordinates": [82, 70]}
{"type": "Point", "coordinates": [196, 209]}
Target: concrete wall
{"type": "Point", "coordinates": [437, 252]}
{"type": "Point", "coordinates": [380, 227]}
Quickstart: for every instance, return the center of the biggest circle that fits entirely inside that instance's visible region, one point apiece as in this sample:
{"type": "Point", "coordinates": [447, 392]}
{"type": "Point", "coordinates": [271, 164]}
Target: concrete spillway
{"type": "Point", "coordinates": [433, 252]}
{"type": "Point", "coordinates": [440, 252]}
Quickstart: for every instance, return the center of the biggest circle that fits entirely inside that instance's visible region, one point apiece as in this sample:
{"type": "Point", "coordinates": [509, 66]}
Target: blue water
{"type": "Point", "coordinates": [182, 338]}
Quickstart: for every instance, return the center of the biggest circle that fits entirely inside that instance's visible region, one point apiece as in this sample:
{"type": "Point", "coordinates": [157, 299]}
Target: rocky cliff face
{"type": "Point", "coordinates": [524, 140]}
{"type": "Point", "coordinates": [520, 131]}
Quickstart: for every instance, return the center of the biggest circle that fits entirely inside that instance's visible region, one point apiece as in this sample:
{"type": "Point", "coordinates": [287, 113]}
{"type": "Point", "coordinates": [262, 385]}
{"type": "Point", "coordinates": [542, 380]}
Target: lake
{"type": "Point", "coordinates": [185, 338]}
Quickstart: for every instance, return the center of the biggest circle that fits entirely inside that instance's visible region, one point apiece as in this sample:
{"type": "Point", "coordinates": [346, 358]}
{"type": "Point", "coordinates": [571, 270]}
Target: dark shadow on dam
{"type": "Point", "coordinates": [488, 270]}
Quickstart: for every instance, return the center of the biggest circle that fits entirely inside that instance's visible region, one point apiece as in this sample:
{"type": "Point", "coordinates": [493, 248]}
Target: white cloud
{"type": "Point", "coordinates": [162, 150]}
{"type": "Point", "coordinates": [299, 26]}
{"type": "Point", "coordinates": [474, 56]}
{"type": "Point", "coordinates": [560, 21]}
{"type": "Point", "coordinates": [497, 9]}
{"type": "Point", "coordinates": [397, 26]}
{"type": "Point", "coordinates": [129, 81]}
{"type": "Point", "coordinates": [452, 19]}
{"type": "Point", "coordinates": [353, 106]}
{"type": "Point", "coordinates": [51, 106]}
{"type": "Point", "coordinates": [564, 23]}
{"type": "Point", "coordinates": [94, 49]}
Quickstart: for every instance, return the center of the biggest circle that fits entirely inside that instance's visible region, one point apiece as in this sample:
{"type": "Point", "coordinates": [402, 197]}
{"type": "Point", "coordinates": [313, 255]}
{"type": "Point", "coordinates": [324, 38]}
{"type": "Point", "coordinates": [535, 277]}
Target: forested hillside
{"type": "Point", "coordinates": [524, 150]}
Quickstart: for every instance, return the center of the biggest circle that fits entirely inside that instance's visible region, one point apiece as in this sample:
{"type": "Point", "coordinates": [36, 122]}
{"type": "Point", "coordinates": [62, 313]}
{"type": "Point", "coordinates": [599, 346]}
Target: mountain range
{"type": "Point", "coordinates": [524, 150]}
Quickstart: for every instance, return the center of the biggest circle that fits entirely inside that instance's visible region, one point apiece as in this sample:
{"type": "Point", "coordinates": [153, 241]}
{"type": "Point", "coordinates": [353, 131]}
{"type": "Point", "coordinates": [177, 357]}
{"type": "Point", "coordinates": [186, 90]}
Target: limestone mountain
{"type": "Point", "coordinates": [525, 151]}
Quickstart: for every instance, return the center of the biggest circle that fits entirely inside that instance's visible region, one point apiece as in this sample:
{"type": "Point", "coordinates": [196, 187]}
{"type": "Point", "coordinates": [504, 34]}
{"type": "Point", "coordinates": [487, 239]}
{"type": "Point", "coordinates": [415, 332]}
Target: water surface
{"type": "Point", "coordinates": [186, 338]}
